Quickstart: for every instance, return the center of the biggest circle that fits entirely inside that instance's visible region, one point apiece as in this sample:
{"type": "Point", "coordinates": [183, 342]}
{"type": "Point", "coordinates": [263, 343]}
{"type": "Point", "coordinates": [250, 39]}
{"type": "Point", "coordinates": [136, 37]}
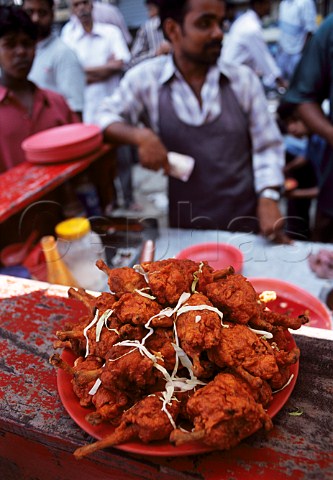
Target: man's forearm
{"type": "Point", "coordinates": [313, 116]}
{"type": "Point", "coordinates": [151, 151]}
{"type": "Point", "coordinates": [122, 133]}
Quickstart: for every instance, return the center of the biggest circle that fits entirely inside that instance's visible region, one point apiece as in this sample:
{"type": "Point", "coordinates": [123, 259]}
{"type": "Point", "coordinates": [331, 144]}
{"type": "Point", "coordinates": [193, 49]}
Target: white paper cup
{"type": "Point", "coordinates": [180, 166]}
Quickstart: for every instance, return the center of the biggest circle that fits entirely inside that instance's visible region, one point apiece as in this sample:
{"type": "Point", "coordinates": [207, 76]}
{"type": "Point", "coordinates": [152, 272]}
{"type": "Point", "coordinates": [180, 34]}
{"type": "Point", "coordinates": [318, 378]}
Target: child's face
{"type": "Point", "coordinates": [17, 52]}
{"type": "Point", "coordinates": [296, 127]}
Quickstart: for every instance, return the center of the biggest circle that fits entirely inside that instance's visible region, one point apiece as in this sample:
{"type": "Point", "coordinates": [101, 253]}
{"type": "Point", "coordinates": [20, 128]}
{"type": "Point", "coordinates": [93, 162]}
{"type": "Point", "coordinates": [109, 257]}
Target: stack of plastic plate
{"type": "Point", "coordinates": [63, 144]}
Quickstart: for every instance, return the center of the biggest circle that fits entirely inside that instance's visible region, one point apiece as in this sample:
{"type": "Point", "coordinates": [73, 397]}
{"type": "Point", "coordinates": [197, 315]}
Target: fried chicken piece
{"type": "Point", "coordinates": [267, 320]}
{"type": "Point", "coordinates": [160, 344]}
{"type": "Point", "coordinates": [135, 309]}
{"type": "Point", "coordinates": [122, 280]}
{"type": "Point", "coordinates": [126, 369]}
{"type": "Point", "coordinates": [145, 420]}
{"type": "Point", "coordinates": [284, 358]}
{"type": "Point", "coordinates": [105, 301]}
{"type": "Point", "coordinates": [131, 332]}
{"type": "Point", "coordinates": [102, 302]}
{"type": "Point", "coordinates": [78, 342]}
{"type": "Point", "coordinates": [223, 413]}
{"type": "Point", "coordinates": [280, 340]}
{"type": "Point", "coordinates": [168, 279]}
{"type": "Point", "coordinates": [251, 356]}
{"type": "Point", "coordinates": [235, 297]}
{"type": "Point", "coordinates": [198, 330]}
{"type": "Point", "coordinates": [85, 371]}
{"type": "Point", "coordinates": [109, 406]}
{"type": "Point", "coordinates": [84, 297]}
{"type": "Point", "coordinates": [72, 336]}
{"type": "Point", "coordinates": [208, 276]}
{"type": "Point", "coordinates": [280, 379]}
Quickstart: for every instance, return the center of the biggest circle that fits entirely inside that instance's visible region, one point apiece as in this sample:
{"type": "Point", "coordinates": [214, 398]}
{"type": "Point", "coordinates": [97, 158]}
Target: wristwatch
{"type": "Point", "coordinates": [270, 193]}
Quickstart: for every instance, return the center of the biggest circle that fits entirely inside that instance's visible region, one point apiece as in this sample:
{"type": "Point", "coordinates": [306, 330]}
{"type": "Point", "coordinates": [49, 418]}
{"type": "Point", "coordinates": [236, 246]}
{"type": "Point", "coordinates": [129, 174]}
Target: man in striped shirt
{"type": "Point", "coordinates": [185, 102]}
{"type": "Point", "coordinates": [149, 40]}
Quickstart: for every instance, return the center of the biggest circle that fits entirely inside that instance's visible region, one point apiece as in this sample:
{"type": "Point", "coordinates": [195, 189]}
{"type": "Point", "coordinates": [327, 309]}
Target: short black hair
{"type": "Point", "coordinates": [175, 9]}
{"type": "Point", "coordinates": [286, 110]}
{"type": "Point", "coordinates": [49, 2]}
{"type": "Point", "coordinates": [15, 20]}
{"type": "Point", "coordinates": [153, 2]}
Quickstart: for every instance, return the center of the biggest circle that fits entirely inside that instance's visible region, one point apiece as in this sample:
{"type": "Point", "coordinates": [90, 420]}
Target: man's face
{"type": "Point", "coordinates": [152, 10]}
{"type": "Point", "coordinates": [199, 39]}
{"type": "Point", "coordinates": [82, 9]}
{"type": "Point", "coordinates": [17, 52]}
{"type": "Point", "coordinates": [41, 14]}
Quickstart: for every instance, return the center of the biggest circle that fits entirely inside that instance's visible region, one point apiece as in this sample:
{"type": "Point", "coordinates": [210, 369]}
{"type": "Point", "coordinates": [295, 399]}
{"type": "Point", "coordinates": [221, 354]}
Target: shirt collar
{"type": "Point", "coordinates": [46, 41]}
{"type": "Point", "coordinates": [5, 93]}
{"type": "Point", "coordinates": [96, 30]}
{"type": "Point", "coordinates": [170, 70]}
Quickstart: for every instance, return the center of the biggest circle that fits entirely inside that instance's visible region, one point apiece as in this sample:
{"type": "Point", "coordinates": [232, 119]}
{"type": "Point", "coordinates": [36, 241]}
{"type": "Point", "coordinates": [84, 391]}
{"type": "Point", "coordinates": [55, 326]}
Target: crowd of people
{"type": "Point", "coordinates": [180, 84]}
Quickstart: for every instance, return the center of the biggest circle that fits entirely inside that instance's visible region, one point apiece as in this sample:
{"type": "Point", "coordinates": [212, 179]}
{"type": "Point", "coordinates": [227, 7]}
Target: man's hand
{"type": "Point", "coordinates": [152, 153]}
{"type": "Point", "coordinates": [271, 221]}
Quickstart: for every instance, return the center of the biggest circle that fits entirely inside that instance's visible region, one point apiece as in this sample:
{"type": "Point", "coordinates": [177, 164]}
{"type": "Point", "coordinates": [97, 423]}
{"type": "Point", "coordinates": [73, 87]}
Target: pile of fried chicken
{"type": "Point", "coordinates": [179, 351]}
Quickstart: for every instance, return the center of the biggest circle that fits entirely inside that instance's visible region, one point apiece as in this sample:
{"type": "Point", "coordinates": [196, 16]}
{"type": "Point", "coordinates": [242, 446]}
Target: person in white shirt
{"type": "Point", "coordinates": [245, 44]}
{"type": "Point", "coordinates": [104, 13]}
{"type": "Point", "coordinates": [56, 67]}
{"type": "Point", "coordinates": [297, 23]}
{"type": "Point", "coordinates": [102, 51]}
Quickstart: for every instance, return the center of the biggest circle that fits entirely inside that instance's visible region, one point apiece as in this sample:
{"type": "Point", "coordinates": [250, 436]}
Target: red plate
{"type": "Point", "coordinates": [72, 152]}
{"type": "Point", "coordinates": [60, 137]}
{"type": "Point", "coordinates": [162, 448]}
{"type": "Point", "coordinates": [294, 300]}
{"type": "Point", "coordinates": [61, 144]}
{"type": "Point", "coordinates": [218, 255]}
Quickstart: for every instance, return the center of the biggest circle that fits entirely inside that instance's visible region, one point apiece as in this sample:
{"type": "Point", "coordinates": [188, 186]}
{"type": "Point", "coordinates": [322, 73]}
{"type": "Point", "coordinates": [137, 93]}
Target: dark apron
{"type": "Point", "coordinates": [220, 192]}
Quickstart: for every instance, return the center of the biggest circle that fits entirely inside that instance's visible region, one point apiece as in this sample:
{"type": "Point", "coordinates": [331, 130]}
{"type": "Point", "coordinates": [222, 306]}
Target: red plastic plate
{"type": "Point", "coordinates": [295, 300]}
{"type": "Point", "coordinates": [60, 137]}
{"type": "Point", "coordinates": [71, 152]}
{"type": "Point", "coordinates": [162, 448]}
{"type": "Point", "coordinates": [218, 255]}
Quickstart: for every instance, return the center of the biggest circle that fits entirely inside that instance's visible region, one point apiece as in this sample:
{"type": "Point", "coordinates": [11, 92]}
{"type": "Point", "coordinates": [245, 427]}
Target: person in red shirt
{"type": "Point", "coordinates": [25, 109]}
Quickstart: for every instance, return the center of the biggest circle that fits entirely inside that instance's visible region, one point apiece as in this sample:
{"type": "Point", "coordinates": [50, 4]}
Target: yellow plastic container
{"type": "Point", "coordinates": [73, 228]}
{"type": "Point", "coordinates": [80, 248]}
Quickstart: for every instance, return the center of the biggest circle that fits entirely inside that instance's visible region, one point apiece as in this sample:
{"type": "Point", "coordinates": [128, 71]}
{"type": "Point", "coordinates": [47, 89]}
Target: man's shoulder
{"type": "Point", "coordinates": [51, 97]}
{"type": "Point", "coordinates": [106, 29]}
{"type": "Point", "coordinates": [236, 72]}
{"type": "Point", "coordinates": [151, 67]}
{"type": "Point", "coordinates": [57, 44]}
{"type": "Point", "coordinates": [246, 23]}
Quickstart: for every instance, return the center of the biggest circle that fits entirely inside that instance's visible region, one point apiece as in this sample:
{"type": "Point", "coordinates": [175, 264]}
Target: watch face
{"type": "Point", "coordinates": [271, 193]}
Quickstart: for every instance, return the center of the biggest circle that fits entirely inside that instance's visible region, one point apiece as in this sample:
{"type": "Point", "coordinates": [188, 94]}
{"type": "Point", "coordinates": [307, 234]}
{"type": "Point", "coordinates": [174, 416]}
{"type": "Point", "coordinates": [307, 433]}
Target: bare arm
{"type": "Point", "coordinates": [271, 221]}
{"type": "Point", "coordinates": [313, 116]}
{"type": "Point", "coordinates": [152, 153]}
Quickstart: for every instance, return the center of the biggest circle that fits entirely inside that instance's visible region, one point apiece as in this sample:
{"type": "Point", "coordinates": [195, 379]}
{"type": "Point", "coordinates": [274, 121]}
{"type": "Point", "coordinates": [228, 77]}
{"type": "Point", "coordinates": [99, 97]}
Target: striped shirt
{"type": "Point", "coordinates": [137, 99]}
{"type": "Point", "coordinates": [147, 40]}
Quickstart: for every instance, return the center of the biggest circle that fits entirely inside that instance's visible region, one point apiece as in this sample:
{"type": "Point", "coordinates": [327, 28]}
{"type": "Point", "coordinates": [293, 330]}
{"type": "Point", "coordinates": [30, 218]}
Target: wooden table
{"type": "Point", "coordinates": [27, 182]}
{"type": "Point", "coordinates": [38, 437]}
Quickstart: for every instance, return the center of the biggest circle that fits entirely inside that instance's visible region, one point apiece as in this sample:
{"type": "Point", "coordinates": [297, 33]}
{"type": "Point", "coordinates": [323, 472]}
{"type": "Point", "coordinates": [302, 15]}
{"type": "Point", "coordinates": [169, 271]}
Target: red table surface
{"type": "Point", "coordinates": [28, 182]}
{"type": "Point", "coordinates": [38, 437]}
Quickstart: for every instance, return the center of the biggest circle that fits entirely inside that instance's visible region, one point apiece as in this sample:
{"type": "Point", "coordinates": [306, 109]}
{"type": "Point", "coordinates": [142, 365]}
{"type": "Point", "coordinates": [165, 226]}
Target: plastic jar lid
{"type": "Point", "coordinates": [73, 228]}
